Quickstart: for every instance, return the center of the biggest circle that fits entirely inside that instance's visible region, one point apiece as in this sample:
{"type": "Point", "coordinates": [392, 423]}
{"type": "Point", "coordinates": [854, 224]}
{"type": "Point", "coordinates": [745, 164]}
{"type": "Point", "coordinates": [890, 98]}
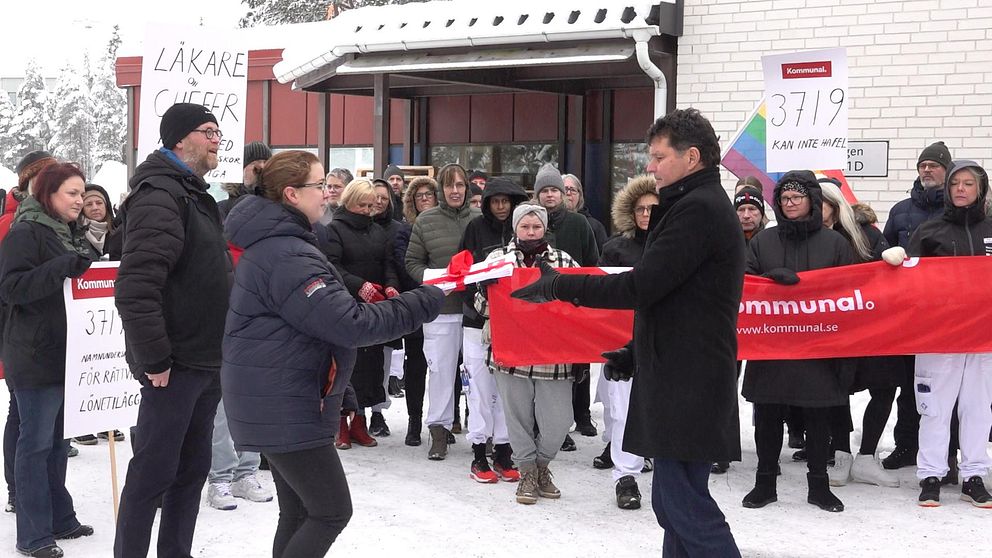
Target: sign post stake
{"type": "Point", "coordinates": [113, 473]}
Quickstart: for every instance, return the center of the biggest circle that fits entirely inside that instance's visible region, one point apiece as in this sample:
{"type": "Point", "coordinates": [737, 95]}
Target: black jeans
{"type": "Point", "coordinates": [907, 429]}
{"type": "Point", "coordinates": [580, 395]}
{"type": "Point", "coordinates": [876, 416]}
{"type": "Point", "coordinates": [314, 501]}
{"type": "Point", "coordinates": [768, 418]}
{"type": "Point", "coordinates": [414, 373]}
{"type": "Point", "coordinates": [10, 432]}
{"type": "Point", "coordinates": [171, 460]}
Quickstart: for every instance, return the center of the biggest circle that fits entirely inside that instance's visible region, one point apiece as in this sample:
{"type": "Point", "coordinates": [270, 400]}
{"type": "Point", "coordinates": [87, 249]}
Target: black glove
{"type": "Point", "coordinates": [619, 365]}
{"type": "Point", "coordinates": [782, 276]}
{"type": "Point", "coordinates": [78, 265]}
{"type": "Point", "coordinates": [542, 290]}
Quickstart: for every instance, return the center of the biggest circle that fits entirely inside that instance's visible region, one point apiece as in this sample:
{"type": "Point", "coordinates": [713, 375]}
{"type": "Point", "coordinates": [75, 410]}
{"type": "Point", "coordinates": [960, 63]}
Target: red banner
{"type": "Point", "coordinates": [931, 305]}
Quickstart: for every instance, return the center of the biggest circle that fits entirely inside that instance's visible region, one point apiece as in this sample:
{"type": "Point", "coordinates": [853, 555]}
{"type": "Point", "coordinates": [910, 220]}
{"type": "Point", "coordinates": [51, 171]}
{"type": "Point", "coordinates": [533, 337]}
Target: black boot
{"type": "Point", "coordinates": [413, 431]}
{"type": "Point", "coordinates": [820, 495]}
{"type": "Point", "coordinates": [628, 496]}
{"type": "Point", "coordinates": [603, 460]}
{"type": "Point", "coordinates": [763, 493]}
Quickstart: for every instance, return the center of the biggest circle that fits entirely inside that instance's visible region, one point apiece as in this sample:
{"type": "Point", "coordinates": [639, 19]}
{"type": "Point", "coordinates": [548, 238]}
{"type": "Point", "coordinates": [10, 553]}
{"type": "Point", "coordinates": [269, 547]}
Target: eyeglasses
{"type": "Point", "coordinates": [324, 188]}
{"type": "Point", "coordinates": [792, 200]}
{"type": "Point", "coordinates": [571, 190]}
{"type": "Point", "coordinates": [211, 134]}
{"type": "Point", "coordinates": [927, 166]}
{"type": "Point", "coordinates": [424, 195]}
{"type": "Point", "coordinates": [643, 210]}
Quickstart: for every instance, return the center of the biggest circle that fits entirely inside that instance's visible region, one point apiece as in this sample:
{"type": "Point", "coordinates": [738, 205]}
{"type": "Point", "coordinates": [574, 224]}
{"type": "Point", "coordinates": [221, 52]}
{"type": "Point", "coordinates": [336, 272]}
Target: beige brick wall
{"type": "Point", "coordinates": [920, 71]}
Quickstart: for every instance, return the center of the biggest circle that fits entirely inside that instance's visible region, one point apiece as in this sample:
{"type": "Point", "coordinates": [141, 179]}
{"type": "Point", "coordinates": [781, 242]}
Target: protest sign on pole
{"type": "Point", "coordinates": [100, 393]}
{"type": "Point", "coordinates": [806, 110]}
{"type": "Point", "coordinates": [202, 66]}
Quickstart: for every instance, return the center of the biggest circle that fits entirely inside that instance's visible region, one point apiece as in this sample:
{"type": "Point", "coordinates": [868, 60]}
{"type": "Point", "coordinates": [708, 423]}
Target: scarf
{"type": "Point", "coordinates": [531, 249]}
{"type": "Point", "coordinates": [96, 232]}
{"type": "Point", "coordinates": [31, 210]}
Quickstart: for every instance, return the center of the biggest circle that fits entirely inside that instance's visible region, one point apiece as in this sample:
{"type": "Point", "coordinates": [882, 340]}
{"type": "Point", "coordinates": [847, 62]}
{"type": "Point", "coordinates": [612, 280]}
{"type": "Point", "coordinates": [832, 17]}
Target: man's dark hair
{"type": "Point", "coordinates": [687, 128]}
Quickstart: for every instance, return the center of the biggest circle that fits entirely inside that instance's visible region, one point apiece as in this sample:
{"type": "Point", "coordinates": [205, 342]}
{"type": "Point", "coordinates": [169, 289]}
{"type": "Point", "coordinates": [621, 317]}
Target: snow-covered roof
{"type": "Point", "coordinates": [462, 23]}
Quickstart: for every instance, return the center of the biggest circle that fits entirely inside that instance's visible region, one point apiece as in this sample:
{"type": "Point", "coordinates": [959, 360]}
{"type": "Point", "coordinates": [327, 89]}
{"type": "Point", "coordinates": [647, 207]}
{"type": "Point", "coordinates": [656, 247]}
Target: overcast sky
{"type": "Point", "coordinates": [56, 31]}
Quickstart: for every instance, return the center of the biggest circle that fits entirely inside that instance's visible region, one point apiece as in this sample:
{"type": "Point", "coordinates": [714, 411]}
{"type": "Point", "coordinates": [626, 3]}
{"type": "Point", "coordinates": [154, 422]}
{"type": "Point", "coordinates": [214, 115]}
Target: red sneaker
{"type": "Point", "coordinates": [482, 473]}
{"type": "Point", "coordinates": [503, 463]}
{"type": "Point", "coordinates": [510, 474]}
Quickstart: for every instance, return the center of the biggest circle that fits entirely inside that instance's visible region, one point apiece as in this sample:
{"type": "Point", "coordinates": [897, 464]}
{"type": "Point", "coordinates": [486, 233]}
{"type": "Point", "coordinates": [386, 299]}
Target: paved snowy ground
{"type": "Point", "coordinates": [406, 505]}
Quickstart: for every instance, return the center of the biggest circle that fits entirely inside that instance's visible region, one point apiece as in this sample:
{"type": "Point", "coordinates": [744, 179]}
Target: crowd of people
{"type": "Point", "coordinates": [272, 329]}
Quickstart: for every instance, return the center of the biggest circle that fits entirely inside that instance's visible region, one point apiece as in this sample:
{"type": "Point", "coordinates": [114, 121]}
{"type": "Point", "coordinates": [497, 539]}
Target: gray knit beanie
{"type": "Point", "coordinates": [548, 177]}
{"type": "Point", "coordinates": [526, 209]}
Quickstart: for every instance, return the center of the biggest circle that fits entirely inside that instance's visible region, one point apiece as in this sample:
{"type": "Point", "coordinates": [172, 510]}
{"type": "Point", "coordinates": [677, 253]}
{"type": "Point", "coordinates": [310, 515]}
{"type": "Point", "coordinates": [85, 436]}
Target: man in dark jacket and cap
{"type": "Point", "coordinates": [685, 293]}
{"type": "Point", "coordinates": [750, 206]}
{"type": "Point", "coordinates": [925, 202]}
{"type": "Point", "coordinates": [255, 155]}
{"type": "Point", "coordinates": [172, 293]}
{"type": "Point", "coordinates": [394, 176]}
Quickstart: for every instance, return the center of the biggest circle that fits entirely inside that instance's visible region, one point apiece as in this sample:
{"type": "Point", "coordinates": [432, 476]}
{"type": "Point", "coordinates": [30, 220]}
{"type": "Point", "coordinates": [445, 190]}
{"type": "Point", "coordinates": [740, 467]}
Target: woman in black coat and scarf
{"type": "Point", "coordinates": [362, 253]}
{"type": "Point", "coordinates": [43, 248]}
{"type": "Point", "coordinates": [798, 243]}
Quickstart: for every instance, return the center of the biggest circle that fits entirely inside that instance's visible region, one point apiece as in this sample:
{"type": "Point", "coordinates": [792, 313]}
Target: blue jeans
{"type": "Point", "coordinates": [226, 463]}
{"type": "Point", "coordinates": [44, 506]}
{"type": "Point", "coordinates": [11, 431]}
{"type": "Point", "coordinates": [693, 523]}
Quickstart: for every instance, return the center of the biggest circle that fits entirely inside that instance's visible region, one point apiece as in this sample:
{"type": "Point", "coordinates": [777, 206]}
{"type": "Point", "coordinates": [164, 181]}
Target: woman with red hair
{"type": "Point", "coordinates": [40, 251]}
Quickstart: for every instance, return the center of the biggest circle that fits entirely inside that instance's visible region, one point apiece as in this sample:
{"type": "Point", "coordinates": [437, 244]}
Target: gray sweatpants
{"type": "Point", "coordinates": [548, 403]}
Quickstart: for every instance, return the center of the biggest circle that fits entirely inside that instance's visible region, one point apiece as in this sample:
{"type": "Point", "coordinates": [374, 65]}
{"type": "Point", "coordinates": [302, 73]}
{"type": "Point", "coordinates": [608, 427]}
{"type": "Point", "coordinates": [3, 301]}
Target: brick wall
{"type": "Point", "coordinates": [920, 71]}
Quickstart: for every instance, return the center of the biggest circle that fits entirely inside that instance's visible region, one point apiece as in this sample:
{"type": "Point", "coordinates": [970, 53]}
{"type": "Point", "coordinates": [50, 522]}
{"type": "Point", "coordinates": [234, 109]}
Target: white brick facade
{"type": "Point", "coordinates": [920, 71]}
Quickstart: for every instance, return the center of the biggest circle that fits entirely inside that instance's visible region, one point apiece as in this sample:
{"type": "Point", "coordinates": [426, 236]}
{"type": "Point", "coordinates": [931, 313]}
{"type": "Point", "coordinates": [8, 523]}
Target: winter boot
{"type": "Point", "coordinates": [797, 440]}
{"type": "Point", "coordinates": [603, 460]}
{"type": "Point", "coordinates": [648, 465]}
{"type": "Point", "coordinates": [503, 463]}
{"type": "Point", "coordinates": [899, 458]}
{"type": "Point", "coordinates": [840, 472]}
{"type": "Point", "coordinates": [868, 470]}
{"type": "Point", "coordinates": [343, 440]}
{"type": "Point", "coordinates": [568, 444]}
{"type": "Point", "coordinates": [413, 431]}
{"type": "Point", "coordinates": [78, 532]}
{"type": "Point", "coordinates": [86, 440]}
{"type": "Point", "coordinates": [764, 491]}
{"type": "Point", "coordinates": [378, 426]}
{"type": "Point", "coordinates": [930, 492]}
{"type": "Point", "coordinates": [628, 496]}
{"type": "Point", "coordinates": [73, 452]}
{"type": "Point", "coordinates": [439, 442]}
{"type": "Point", "coordinates": [586, 427]}
{"type": "Point", "coordinates": [819, 493]}
{"type": "Point", "coordinates": [973, 490]}
{"type": "Point", "coordinates": [720, 467]}
{"type": "Point", "coordinates": [481, 472]}
{"type": "Point", "coordinates": [527, 489]}
{"type": "Point", "coordinates": [546, 488]}
{"type": "Point", "coordinates": [395, 391]}
{"type": "Point", "coordinates": [360, 433]}
{"type": "Point", "coordinates": [50, 551]}
{"type": "Point", "coordinates": [118, 436]}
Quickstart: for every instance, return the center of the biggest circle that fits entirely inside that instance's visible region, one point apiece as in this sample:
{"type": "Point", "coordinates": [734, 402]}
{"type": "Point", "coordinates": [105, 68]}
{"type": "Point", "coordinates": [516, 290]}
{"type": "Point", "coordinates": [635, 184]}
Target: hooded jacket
{"type": "Point", "coordinates": [435, 238]}
{"type": "Point", "coordinates": [625, 248]}
{"type": "Point", "coordinates": [486, 233]}
{"type": "Point", "coordinates": [961, 231]}
{"type": "Point", "coordinates": [35, 259]}
{"type": "Point", "coordinates": [175, 274]}
{"type": "Point", "coordinates": [923, 204]}
{"type": "Point", "coordinates": [409, 204]}
{"type": "Point", "coordinates": [290, 319]}
{"type": "Point", "coordinates": [798, 245]}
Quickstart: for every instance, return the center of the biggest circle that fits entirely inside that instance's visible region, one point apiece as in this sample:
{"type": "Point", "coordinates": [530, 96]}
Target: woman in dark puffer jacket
{"type": "Point", "coordinates": [289, 349]}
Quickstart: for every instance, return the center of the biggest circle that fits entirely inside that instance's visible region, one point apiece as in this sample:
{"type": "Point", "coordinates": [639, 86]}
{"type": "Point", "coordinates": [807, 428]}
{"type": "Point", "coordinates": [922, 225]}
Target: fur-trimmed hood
{"type": "Point", "coordinates": [409, 204]}
{"type": "Point", "coordinates": [625, 201]}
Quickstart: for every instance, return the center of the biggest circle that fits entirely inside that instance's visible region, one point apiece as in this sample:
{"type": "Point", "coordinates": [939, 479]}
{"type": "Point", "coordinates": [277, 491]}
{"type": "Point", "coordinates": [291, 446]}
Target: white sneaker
{"type": "Point", "coordinates": [249, 488]}
{"type": "Point", "coordinates": [219, 496]}
{"type": "Point", "coordinates": [840, 473]}
{"type": "Point", "coordinates": [868, 470]}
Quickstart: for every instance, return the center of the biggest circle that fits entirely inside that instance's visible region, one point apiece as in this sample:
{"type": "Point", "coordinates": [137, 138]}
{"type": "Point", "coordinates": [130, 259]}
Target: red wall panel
{"type": "Point", "coordinates": [357, 120]}
{"type": "Point", "coordinates": [632, 114]}
{"type": "Point", "coordinates": [492, 118]}
{"type": "Point", "coordinates": [336, 119]}
{"type": "Point", "coordinates": [288, 116]}
{"type": "Point", "coordinates": [535, 117]}
{"type": "Point", "coordinates": [449, 119]}
{"type": "Point", "coordinates": [397, 116]}
{"type": "Point", "coordinates": [253, 111]}
{"type": "Point", "coordinates": [313, 100]}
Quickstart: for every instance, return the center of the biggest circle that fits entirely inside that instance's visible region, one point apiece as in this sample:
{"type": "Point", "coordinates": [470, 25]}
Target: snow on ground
{"type": "Point", "coordinates": [406, 505]}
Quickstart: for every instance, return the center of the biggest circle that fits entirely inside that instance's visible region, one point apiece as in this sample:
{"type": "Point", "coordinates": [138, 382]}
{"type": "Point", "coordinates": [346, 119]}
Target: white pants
{"type": "Point", "coordinates": [387, 357]}
{"type": "Point", "coordinates": [603, 396]}
{"type": "Point", "coordinates": [940, 381]}
{"type": "Point", "coordinates": [623, 463]}
{"type": "Point", "coordinates": [485, 406]}
{"type": "Point", "coordinates": [395, 363]}
{"type": "Point", "coordinates": [442, 342]}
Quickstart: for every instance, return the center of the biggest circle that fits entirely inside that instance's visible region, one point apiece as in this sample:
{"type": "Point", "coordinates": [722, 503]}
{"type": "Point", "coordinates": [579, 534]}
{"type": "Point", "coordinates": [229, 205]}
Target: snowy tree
{"type": "Point", "coordinates": [7, 113]}
{"type": "Point", "coordinates": [73, 123]}
{"type": "Point", "coordinates": [110, 108]}
{"type": "Point", "coordinates": [279, 12]}
{"type": "Point", "coordinates": [30, 129]}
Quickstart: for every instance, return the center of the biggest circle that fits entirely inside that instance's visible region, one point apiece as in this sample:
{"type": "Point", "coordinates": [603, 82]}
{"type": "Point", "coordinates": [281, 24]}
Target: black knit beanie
{"type": "Point", "coordinates": [938, 153]}
{"type": "Point", "coordinates": [180, 120]}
